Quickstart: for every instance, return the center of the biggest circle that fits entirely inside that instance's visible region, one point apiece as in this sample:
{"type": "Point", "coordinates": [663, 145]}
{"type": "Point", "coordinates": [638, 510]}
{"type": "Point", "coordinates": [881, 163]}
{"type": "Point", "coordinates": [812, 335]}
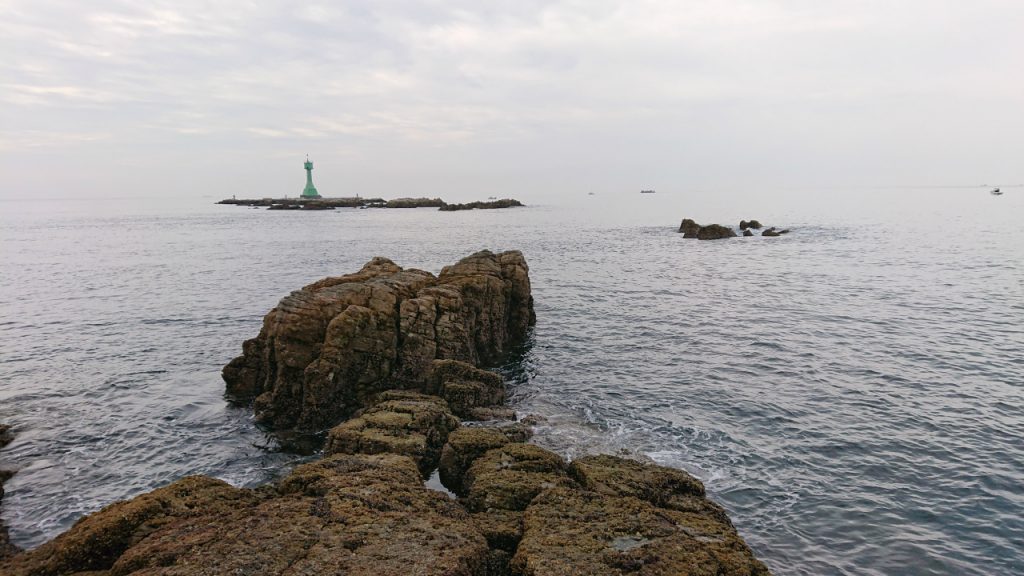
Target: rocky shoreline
{"type": "Point", "coordinates": [389, 362]}
{"type": "Point", "coordinates": [6, 548]}
{"type": "Point", "coordinates": [357, 202]}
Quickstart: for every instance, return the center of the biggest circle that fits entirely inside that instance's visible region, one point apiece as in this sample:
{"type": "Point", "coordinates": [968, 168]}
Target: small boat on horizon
{"type": "Point", "coordinates": [996, 192]}
{"type": "Point", "coordinates": [647, 191]}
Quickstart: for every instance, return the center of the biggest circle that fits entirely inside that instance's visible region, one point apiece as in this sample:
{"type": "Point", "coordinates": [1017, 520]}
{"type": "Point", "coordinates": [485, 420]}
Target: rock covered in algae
{"type": "Point", "coordinates": [406, 423]}
{"type": "Point", "coordinates": [329, 347]}
{"type": "Point", "coordinates": [347, 514]}
{"type": "Point", "coordinates": [571, 531]}
{"type": "Point", "coordinates": [465, 445]}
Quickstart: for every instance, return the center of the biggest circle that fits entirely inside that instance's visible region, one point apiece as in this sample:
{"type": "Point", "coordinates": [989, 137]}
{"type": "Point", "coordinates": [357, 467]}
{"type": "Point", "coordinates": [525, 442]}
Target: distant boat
{"type": "Point", "coordinates": [590, 193]}
{"type": "Point", "coordinates": [996, 192]}
{"type": "Point", "coordinates": [647, 191]}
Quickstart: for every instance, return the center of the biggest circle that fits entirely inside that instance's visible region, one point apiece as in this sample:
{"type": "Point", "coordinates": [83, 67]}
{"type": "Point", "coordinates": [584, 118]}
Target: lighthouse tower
{"type": "Point", "coordinates": [309, 191]}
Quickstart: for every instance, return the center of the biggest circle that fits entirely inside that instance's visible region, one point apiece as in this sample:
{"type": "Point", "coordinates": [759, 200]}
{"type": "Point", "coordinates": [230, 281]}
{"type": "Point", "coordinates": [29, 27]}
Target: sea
{"type": "Point", "coordinates": [852, 392]}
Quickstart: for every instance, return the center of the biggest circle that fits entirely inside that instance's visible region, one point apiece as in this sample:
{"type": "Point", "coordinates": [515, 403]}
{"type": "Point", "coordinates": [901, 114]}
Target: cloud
{"type": "Point", "coordinates": [575, 79]}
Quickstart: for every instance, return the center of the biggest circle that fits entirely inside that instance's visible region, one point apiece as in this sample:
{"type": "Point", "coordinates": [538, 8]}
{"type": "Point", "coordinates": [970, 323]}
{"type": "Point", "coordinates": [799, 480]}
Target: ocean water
{"type": "Point", "coordinates": [853, 392]}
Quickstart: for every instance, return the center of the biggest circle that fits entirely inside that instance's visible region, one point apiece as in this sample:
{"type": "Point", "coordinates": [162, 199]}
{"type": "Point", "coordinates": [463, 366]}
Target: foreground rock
{"type": "Point", "coordinates": [363, 510]}
{"type": "Point", "coordinates": [346, 514]}
{"type": "Point", "coordinates": [327, 349]}
{"type": "Point", "coordinates": [522, 511]}
{"type": "Point", "coordinates": [6, 548]}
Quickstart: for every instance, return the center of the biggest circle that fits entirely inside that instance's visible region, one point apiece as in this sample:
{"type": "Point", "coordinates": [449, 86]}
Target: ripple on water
{"type": "Point", "coordinates": [851, 393]}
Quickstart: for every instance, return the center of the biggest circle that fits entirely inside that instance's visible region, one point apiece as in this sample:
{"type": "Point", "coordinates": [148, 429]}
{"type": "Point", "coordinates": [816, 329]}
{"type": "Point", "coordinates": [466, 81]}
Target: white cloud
{"type": "Point", "coordinates": [594, 81]}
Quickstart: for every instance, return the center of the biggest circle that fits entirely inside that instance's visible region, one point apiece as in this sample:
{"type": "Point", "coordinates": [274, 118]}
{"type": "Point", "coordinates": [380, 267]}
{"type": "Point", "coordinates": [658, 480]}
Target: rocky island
{"type": "Point", "coordinates": [690, 229]}
{"type": "Point", "coordinates": [390, 362]}
{"type": "Point", "coordinates": [319, 203]}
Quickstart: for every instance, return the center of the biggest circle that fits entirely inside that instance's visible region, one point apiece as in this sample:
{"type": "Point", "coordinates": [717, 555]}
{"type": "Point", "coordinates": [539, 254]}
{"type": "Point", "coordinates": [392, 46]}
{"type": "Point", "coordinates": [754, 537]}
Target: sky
{"type": "Point", "coordinates": [469, 99]}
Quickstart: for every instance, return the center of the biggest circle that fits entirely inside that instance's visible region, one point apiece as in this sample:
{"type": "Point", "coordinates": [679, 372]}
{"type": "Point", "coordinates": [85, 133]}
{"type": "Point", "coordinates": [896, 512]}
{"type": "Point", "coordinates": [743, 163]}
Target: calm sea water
{"type": "Point", "coordinates": [852, 392]}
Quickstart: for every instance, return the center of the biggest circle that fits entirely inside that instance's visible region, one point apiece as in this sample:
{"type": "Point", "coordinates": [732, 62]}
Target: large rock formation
{"type": "Point", "coordinates": [364, 509]}
{"type": "Point", "coordinates": [522, 511]}
{"type": "Point", "coordinates": [346, 514]}
{"type": "Point", "coordinates": [325, 350]}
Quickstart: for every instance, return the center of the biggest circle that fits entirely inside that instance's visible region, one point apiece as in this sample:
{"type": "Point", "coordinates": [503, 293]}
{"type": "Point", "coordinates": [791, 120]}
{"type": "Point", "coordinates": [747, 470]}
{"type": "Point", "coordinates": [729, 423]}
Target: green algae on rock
{"type": "Point", "coordinates": [406, 423]}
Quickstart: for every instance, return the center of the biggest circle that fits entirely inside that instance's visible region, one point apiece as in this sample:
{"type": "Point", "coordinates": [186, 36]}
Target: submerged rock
{"type": "Point", "coordinates": [715, 232]}
{"type": "Point", "coordinates": [325, 350]}
{"type": "Point", "coordinates": [773, 232]}
{"type": "Point", "coordinates": [689, 228]}
{"type": "Point", "coordinates": [751, 224]}
{"type": "Point", "coordinates": [6, 548]}
{"type": "Point", "coordinates": [503, 203]}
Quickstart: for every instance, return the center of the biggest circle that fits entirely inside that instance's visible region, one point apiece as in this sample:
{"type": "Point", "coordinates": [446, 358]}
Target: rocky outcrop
{"type": "Point", "coordinates": [691, 229]}
{"type": "Point", "coordinates": [363, 509]}
{"type": "Point", "coordinates": [346, 514]}
{"type": "Point", "coordinates": [406, 423]}
{"type": "Point", "coordinates": [327, 349]}
{"type": "Point", "coordinates": [414, 203]}
{"type": "Point", "coordinates": [6, 548]}
{"type": "Point", "coordinates": [357, 202]}
{"type": "Point", "coordinates": [715, 232]}
{"type": "Point", "coordinates": [490, 205]}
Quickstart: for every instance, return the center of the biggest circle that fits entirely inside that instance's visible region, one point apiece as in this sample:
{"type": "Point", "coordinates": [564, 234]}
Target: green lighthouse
{"type": "Point", "coordinates": [309, 191]}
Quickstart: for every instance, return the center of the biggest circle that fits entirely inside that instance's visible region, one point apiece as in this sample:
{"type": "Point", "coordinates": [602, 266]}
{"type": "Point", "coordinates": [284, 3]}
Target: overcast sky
{"type": "Point", "coordinates": [473, 99]}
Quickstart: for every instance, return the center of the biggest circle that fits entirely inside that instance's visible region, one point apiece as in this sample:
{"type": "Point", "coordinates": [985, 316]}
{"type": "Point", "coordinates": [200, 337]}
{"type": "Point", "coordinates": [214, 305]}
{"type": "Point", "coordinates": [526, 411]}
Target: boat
{"type": "Point", "coordinates": [647, 191]}
{"type": "Point", "coordinates": [996, 192]}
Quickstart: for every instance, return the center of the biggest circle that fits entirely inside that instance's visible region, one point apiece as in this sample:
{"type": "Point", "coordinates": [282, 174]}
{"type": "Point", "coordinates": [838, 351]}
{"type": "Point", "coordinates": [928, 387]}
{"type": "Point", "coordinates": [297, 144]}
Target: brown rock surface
{"type": "Point", "coordinates": [465, 445]}
{"type": "Point", "coordinates": [691, 229]}
{"type": "Point", "coordinates": [510, 476]}
{"type": "Point", "coordinates": [343, 515]}
{"type": "Point", "coordinates": [568, 531]}
{"type": "Point", "coordinates": [326, 349]}
{"type": "Point", "coordinates": [406, 423]}
{"type": "Point", "coordinates": [466, 387]}
{"type": "Point", "coordinates": [715, 232]}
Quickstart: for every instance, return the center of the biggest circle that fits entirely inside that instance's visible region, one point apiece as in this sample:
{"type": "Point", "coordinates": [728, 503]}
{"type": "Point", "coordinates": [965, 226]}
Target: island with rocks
{"type": "Point", "coordinates": [391, 363]}
{"type": "Point", "coordinates": [690, 229]}
{"type": "Point", "coordinates": [301, 203]}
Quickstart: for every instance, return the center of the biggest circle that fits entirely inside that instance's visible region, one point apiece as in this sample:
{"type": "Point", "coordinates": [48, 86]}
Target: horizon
{"type": "Point", "coordinates": [409, 100]}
